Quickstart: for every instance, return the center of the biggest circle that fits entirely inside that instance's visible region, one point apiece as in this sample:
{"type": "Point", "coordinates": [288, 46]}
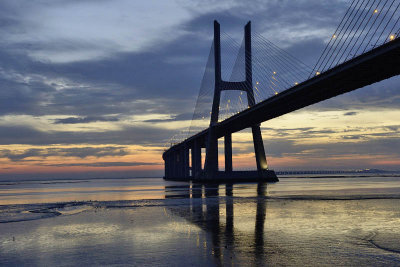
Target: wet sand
{"type": "Point", "coordinates": [207, 226]}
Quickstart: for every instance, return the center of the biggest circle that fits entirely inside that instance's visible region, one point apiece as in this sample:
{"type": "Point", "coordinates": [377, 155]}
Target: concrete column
{"type": "Point", "coordinates": [181, 162]}
{"type": "Point", "coordinates": [193, 159]}
{"type": "Point", "coordinates": [228, 152]}
{"type": "Point", "coordinates": [211, 164]}
{"type": "Point", "coordinates": [196, 159]}
{"type": "Point", "coordinates": [166, 168]}
{"type": "Point", "coordinates": [168, 162]}
{"type": "Point", "coordinates": [185, 161]}
{"type": "Point", "coordinates": [173, 164]}
{"type": "Point", "coordinates": [176, 164]}
{"type": "Point", "coordinates": [259, 148]}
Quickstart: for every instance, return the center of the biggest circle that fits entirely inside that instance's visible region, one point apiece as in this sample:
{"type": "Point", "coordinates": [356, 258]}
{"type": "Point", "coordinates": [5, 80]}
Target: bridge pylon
{"type": "Point", "coordinates": [178, 157]}
{"type": "Point", "coordinates": [211, 160]}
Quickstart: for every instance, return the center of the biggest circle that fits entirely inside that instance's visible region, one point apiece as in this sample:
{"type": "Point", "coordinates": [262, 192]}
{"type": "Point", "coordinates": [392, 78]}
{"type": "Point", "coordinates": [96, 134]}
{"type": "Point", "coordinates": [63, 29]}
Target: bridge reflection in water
{"type": "Point", "coordinates": [212, 209]}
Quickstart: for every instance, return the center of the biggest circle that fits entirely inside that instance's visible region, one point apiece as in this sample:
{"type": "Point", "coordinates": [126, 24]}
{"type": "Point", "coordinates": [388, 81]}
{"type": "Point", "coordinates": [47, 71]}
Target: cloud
{"type": "Point", "coordinates": [81, 152]}
{"type": "Point", "coordinates": [290, 148]}
{"type": "Point", "coordinates": [352, 137]}
{"type": "Point", "coordinates": [144, 135]}
{"type": "Point", "coordinates": [60, 31]}
{"type": "Point", "coordinates": [393, 128]}
{"type": "Point", "coordinates": [179, 117]}
{"type": "Point", "coordinates": [73, 120]}
{"type": "Point", "coordinates": [103, 164]}
{"type": "Point", "coordinates": [350, 113]}
{"type": "Point", "coordinates": [13, 156]}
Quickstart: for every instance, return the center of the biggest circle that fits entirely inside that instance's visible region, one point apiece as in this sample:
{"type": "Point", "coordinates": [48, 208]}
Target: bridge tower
{"type": "Point", "coordinates": [183, 161]}
{"type": "Point", "coordinates": [211, 161]}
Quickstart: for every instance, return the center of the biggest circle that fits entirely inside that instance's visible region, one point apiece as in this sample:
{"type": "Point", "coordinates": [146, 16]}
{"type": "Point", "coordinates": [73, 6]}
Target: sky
{"type": "Point", "coordinates": [95, 88]}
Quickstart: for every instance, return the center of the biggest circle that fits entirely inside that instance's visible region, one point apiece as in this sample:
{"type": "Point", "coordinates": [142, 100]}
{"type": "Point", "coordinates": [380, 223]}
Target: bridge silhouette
{"type": "Point", "coordinates": [363, 50]}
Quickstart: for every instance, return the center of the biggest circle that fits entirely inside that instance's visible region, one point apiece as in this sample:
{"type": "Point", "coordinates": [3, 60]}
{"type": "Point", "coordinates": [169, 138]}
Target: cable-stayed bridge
{"type": "Point", "coordinates": [264, 82]}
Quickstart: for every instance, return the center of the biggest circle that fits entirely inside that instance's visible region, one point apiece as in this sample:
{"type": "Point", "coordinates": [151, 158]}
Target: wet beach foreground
{"type": "Point", "coordinates": [245, 224]}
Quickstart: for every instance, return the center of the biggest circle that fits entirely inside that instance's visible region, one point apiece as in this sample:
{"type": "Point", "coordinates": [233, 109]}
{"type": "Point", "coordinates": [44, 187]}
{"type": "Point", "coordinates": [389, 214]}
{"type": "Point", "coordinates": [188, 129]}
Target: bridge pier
{"type": "Point", "coordinates": [228, 153]}
{"type": "Point", "coordinates": [178, 164]}
{"type": "Point", "coordinates": [167, 167]}
{"type": "Point", "coordinates": [211, 163]}
{"type": "Point", "coordinates": [196, 159]}
{"type": "Point", "coordinates": [185, 161]}
{"type": "Point", "coordinates": [259, 148]}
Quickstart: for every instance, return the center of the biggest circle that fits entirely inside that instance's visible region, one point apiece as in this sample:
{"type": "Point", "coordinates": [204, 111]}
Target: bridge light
{"type": "Point", "coordinates": [229, 101]}
{"type": "Point", "coordinates": [317, 73]}
{"type": "Point", "coordinates": [296, 83]}
{"type": "Point", "coordinates": [274, 72]}
{"type": "Point", "coordinates": [391, 37]}
{"type": "Point", "coordinates": [276, 93]}
{"type": "Point", "coordinates": [334, 36]}
{"type": "Point", "coordinates": [376, 11]}
{"type": "Point", "coordinates": [257, 82]}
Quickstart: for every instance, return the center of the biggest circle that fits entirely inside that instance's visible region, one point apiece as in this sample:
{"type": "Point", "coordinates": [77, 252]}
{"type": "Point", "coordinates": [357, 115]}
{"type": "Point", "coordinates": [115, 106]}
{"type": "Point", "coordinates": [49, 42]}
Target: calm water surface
{"type": "Point", "coordinates": [343, 221]}
{"type": "Point", "coordinates": [30, 192]}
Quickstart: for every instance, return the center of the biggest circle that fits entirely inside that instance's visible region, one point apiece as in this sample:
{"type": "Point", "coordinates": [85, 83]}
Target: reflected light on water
{"type": "Point", "coordinates": [258, 230]}
{"type": "Point", "coordinates": [324, 222]}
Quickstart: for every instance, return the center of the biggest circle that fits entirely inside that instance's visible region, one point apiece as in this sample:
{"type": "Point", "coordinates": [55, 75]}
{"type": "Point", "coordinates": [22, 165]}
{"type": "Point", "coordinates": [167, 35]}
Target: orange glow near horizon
{"type": "Point", "coordinates": [148, 159]}
{"type": "Point", "coordinates": [299, 140]}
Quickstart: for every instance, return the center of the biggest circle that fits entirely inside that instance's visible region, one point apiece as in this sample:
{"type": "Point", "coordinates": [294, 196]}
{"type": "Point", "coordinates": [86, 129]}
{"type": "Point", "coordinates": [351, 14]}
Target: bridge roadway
{"type": "Point", "coordinates": [373, 66]}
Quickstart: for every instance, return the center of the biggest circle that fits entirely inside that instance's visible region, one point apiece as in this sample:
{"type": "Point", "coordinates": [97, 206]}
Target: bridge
{"type": "Point", "coordinates": [363, 50]}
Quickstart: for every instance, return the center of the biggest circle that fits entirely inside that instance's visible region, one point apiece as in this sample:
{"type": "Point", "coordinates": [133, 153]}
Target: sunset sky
{"type": "Point", "coordinates": [94, 88]}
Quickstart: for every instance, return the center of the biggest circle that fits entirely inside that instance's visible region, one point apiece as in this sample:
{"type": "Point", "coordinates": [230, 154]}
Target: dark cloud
{"type": "Point", "coordinates": [81, 152]}
{"type": "Point", "coordinates": [20, 135]}
{"type": "Point", "coordinates": [352, 137]}
{"type": "Point", "coordinates": [22, 95]}
{"type": "Point", "coordinates": [285, 148]}
{"type": "Point", "coordinates": [13, 156]}
{"type": "Point", "coordinates": [103, 164]}
{"type": "Point", "coordinates": [179, 117]}
{"type": "Point", "coordinates": [351, 113]}
{"type": "Point", "coordinates": [393, 128]}
{"type": "Point", "coordinates": [301, 132]}
{"type": "Point", "coordinates": [73, 120]}
{"type": "Point", "coordinates": [93, 89]}
{"type": "Point", "coordinates": [150, 136]}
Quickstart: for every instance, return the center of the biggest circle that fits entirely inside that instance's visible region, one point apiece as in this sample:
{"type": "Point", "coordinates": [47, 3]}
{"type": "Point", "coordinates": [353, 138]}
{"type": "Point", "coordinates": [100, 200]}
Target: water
{"type": "Point", "coordinates": [45, 191]}
{"type": "Point", "coordinates": [298, 221]}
